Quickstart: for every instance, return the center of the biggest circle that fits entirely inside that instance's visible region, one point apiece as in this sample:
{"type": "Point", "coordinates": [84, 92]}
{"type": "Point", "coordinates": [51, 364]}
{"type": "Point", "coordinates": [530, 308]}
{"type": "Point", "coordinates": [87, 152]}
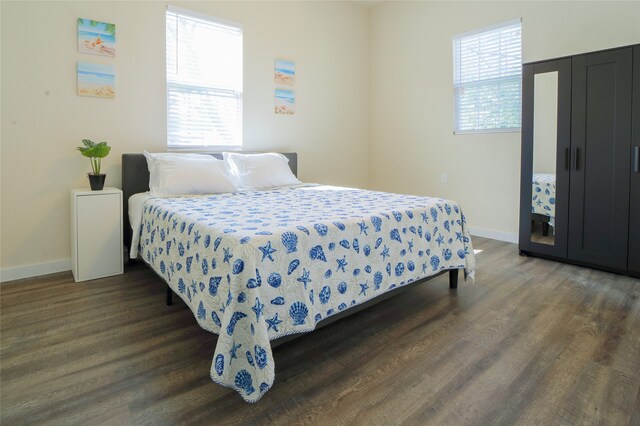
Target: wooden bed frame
{"type": "Point", "coordinates": [135, 179]}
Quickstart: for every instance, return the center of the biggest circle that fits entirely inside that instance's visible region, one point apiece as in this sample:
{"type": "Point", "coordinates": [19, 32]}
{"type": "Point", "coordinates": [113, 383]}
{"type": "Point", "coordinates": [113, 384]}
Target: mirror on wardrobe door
{"type": "Point", "coordinates": [545, 125]}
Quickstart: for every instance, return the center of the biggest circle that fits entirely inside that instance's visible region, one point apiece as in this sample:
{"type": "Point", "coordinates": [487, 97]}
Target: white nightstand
{"type": "Point", "coordinates": [96, 233]}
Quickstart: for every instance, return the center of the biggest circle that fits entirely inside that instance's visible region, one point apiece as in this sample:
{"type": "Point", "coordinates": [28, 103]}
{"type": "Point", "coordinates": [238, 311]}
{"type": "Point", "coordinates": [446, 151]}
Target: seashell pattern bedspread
{"type": "Point", "coordinates": [543, 198]}
{"type": "Point", "coordinates": [257, 265]}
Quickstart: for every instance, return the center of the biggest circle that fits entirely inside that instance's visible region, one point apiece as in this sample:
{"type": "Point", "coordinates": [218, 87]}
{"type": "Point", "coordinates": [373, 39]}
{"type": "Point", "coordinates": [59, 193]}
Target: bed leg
{"type": "Point", "coordinates": [545, 229]}
{"type": "Point", "coordinates": [453, 278]}
{"type": "Point", "coordinates": [169, 296]}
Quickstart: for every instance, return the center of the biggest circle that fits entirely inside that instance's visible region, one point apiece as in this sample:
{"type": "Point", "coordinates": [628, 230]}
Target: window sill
{"type": "Point", "coordinates": [473, 132]}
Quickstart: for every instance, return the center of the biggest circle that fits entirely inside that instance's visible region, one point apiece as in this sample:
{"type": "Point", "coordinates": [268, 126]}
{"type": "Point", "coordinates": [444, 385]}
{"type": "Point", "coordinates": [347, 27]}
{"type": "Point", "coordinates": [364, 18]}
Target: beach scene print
{"type": "Point", "coordinates": [96, 80]}
{"type": "Point", "coordinates": [97, 38]}
{"type": "Point", "coordinates": [285, 102]}
{"type": "Point", "coordinates": [285, 72]}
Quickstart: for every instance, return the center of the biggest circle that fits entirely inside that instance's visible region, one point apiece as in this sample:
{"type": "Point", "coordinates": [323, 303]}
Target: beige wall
{"type": "Point", "coordinates": [43, 119]}
{"type": "Point", "coordinates": [412, 96]}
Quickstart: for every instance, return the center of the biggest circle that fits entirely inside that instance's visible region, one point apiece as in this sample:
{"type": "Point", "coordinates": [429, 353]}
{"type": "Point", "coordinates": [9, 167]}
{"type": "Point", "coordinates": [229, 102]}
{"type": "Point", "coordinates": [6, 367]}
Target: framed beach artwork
{"type": "Point", "coordinates": [285, 72]}
{"type": "Point", "coordinates": [285, 102]}
{"type": "Point", "coordinates": [97, 38]}
{"type": "Point", "coordinates": [96, 80]}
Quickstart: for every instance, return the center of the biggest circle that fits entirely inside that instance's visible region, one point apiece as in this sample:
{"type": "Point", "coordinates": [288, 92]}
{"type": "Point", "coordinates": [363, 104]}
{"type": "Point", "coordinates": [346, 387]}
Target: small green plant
{"type": "Point", "coordinates": [95, 152]}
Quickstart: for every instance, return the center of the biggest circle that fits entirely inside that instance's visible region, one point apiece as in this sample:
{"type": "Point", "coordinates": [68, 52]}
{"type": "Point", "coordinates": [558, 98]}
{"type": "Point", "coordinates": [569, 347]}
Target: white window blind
{"type": "Point", "coordinates": [487, 69]}
{"type": "Point", "coordinates": [204, 81]}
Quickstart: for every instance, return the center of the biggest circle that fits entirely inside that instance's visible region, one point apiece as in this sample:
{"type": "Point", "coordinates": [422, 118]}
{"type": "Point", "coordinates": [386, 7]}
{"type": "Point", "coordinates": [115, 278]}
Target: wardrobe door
{"type": "Point", "coordinates": [546, 127]}
{"type": "Point", "coordinates": [600, 151]}
{"type": "Point", "coordinates": [634, 198]}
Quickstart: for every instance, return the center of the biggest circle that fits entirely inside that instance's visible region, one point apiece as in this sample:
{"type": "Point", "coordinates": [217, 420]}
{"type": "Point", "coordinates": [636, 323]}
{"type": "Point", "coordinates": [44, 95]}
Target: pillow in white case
{"type": "Point", "coordinates": [152, 160]}
{"type": "Point", "coordinates": [259, 171]}
{"type": "Point", "coordinates": [190, 175]}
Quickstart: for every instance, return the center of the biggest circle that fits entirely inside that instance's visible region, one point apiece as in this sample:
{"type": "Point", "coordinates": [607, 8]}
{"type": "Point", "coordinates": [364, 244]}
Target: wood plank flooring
{"type": "Point", "coordinates": [533, 342]}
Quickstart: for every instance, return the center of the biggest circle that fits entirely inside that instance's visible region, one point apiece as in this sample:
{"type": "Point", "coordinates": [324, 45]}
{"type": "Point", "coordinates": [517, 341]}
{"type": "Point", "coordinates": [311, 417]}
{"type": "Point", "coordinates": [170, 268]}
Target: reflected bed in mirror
{"type": "Point", "coordinates": [543, 200]}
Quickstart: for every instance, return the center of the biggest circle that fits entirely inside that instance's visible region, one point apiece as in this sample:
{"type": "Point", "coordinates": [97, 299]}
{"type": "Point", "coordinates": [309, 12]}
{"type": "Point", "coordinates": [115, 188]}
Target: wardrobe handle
{"type": "Point", "coordinates": [636, 159]}
{"type": "Point", "coordinates": [576, 151]}
{"type": "Point", "coordinates": [566, 158]}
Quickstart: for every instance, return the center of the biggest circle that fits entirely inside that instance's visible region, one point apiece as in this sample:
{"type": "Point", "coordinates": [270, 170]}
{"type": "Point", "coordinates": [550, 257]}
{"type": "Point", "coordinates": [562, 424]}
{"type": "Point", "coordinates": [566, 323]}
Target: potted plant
{"type": "Point", "coordinates": [95, 152]}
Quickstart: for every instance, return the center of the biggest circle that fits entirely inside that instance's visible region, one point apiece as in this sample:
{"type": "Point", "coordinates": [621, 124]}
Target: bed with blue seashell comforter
{"type": "Point", "coordinates": [257, 265]}
{"type": "Point", "coordinates": [543, 198]}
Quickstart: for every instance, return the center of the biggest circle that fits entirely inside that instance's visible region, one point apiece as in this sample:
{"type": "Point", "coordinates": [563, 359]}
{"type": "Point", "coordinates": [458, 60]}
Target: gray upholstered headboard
{"type": "Point", "coordinates": [135, 179]}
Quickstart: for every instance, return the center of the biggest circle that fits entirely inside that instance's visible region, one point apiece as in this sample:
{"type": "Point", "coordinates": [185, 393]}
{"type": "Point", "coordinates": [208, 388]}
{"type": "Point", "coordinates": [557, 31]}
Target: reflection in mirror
{"type": "Point", "coordinates": [545, 125]}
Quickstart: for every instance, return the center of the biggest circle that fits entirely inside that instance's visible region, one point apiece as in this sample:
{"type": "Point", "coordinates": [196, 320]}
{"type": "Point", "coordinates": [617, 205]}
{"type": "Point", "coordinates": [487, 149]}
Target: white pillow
{"type": "Point", "coordinates": [152, 159]}
{"type": "Point", "coordinates": [181, 174]}
{"type": "Point", "coordinates": [259, 171]}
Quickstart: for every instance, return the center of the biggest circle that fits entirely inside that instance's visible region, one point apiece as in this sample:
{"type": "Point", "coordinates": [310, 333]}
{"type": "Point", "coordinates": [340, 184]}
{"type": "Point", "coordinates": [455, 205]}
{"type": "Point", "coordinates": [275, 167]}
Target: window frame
{"type": "Point", "coordinates": [483, 82]}
{"type": "Point", "coordinates": [206, 147]}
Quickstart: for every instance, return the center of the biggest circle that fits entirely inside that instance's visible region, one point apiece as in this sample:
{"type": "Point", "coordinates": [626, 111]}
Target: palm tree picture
{"type": "Point", "coordinates": [97, 38]}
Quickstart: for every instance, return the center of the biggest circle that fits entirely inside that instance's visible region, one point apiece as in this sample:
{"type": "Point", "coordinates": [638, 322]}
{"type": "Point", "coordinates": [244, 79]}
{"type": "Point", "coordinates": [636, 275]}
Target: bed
{"type": "Point", "coordinates": [543, 200]}
{"type": "Point", "coordinates": [256, 267]}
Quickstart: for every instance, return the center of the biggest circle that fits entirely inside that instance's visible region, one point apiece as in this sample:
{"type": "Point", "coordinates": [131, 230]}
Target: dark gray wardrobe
{"type": "Point", "coordinates": [580, 187]}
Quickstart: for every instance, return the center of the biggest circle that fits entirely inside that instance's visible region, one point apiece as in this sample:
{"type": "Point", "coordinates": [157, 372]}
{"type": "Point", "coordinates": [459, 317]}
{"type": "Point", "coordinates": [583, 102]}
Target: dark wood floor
{"type": "Point", "coordinates": [532, 342]}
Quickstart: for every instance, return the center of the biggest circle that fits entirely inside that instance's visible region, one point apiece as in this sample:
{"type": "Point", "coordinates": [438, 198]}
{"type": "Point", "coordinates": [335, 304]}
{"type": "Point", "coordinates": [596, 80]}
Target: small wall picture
{"type": "Point", "coordinates": [285, 102]}
{"type": "Point", "coordinates": [285, 72]}
{"type": "Point", "coordinates": [97, 38]}
{"type": "Point", "coordinates": [96, 80]}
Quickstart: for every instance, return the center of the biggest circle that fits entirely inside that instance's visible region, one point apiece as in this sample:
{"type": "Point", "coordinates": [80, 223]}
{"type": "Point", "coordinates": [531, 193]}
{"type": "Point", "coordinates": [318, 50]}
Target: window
{"type": "Point", "coordinates": [487, 69]}
{"type": "Point", "coordinates": [204, 82]}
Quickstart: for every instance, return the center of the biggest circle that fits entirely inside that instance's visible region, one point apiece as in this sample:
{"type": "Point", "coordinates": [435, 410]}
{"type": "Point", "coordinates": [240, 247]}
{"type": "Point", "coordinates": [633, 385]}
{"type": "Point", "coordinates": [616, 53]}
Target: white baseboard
{"type": "Point", "coordinates": [28, 271]}
{"type": "Point", "coordinates": [35, 270]}
{"type": "Point", "coordinates": [493, 234]}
